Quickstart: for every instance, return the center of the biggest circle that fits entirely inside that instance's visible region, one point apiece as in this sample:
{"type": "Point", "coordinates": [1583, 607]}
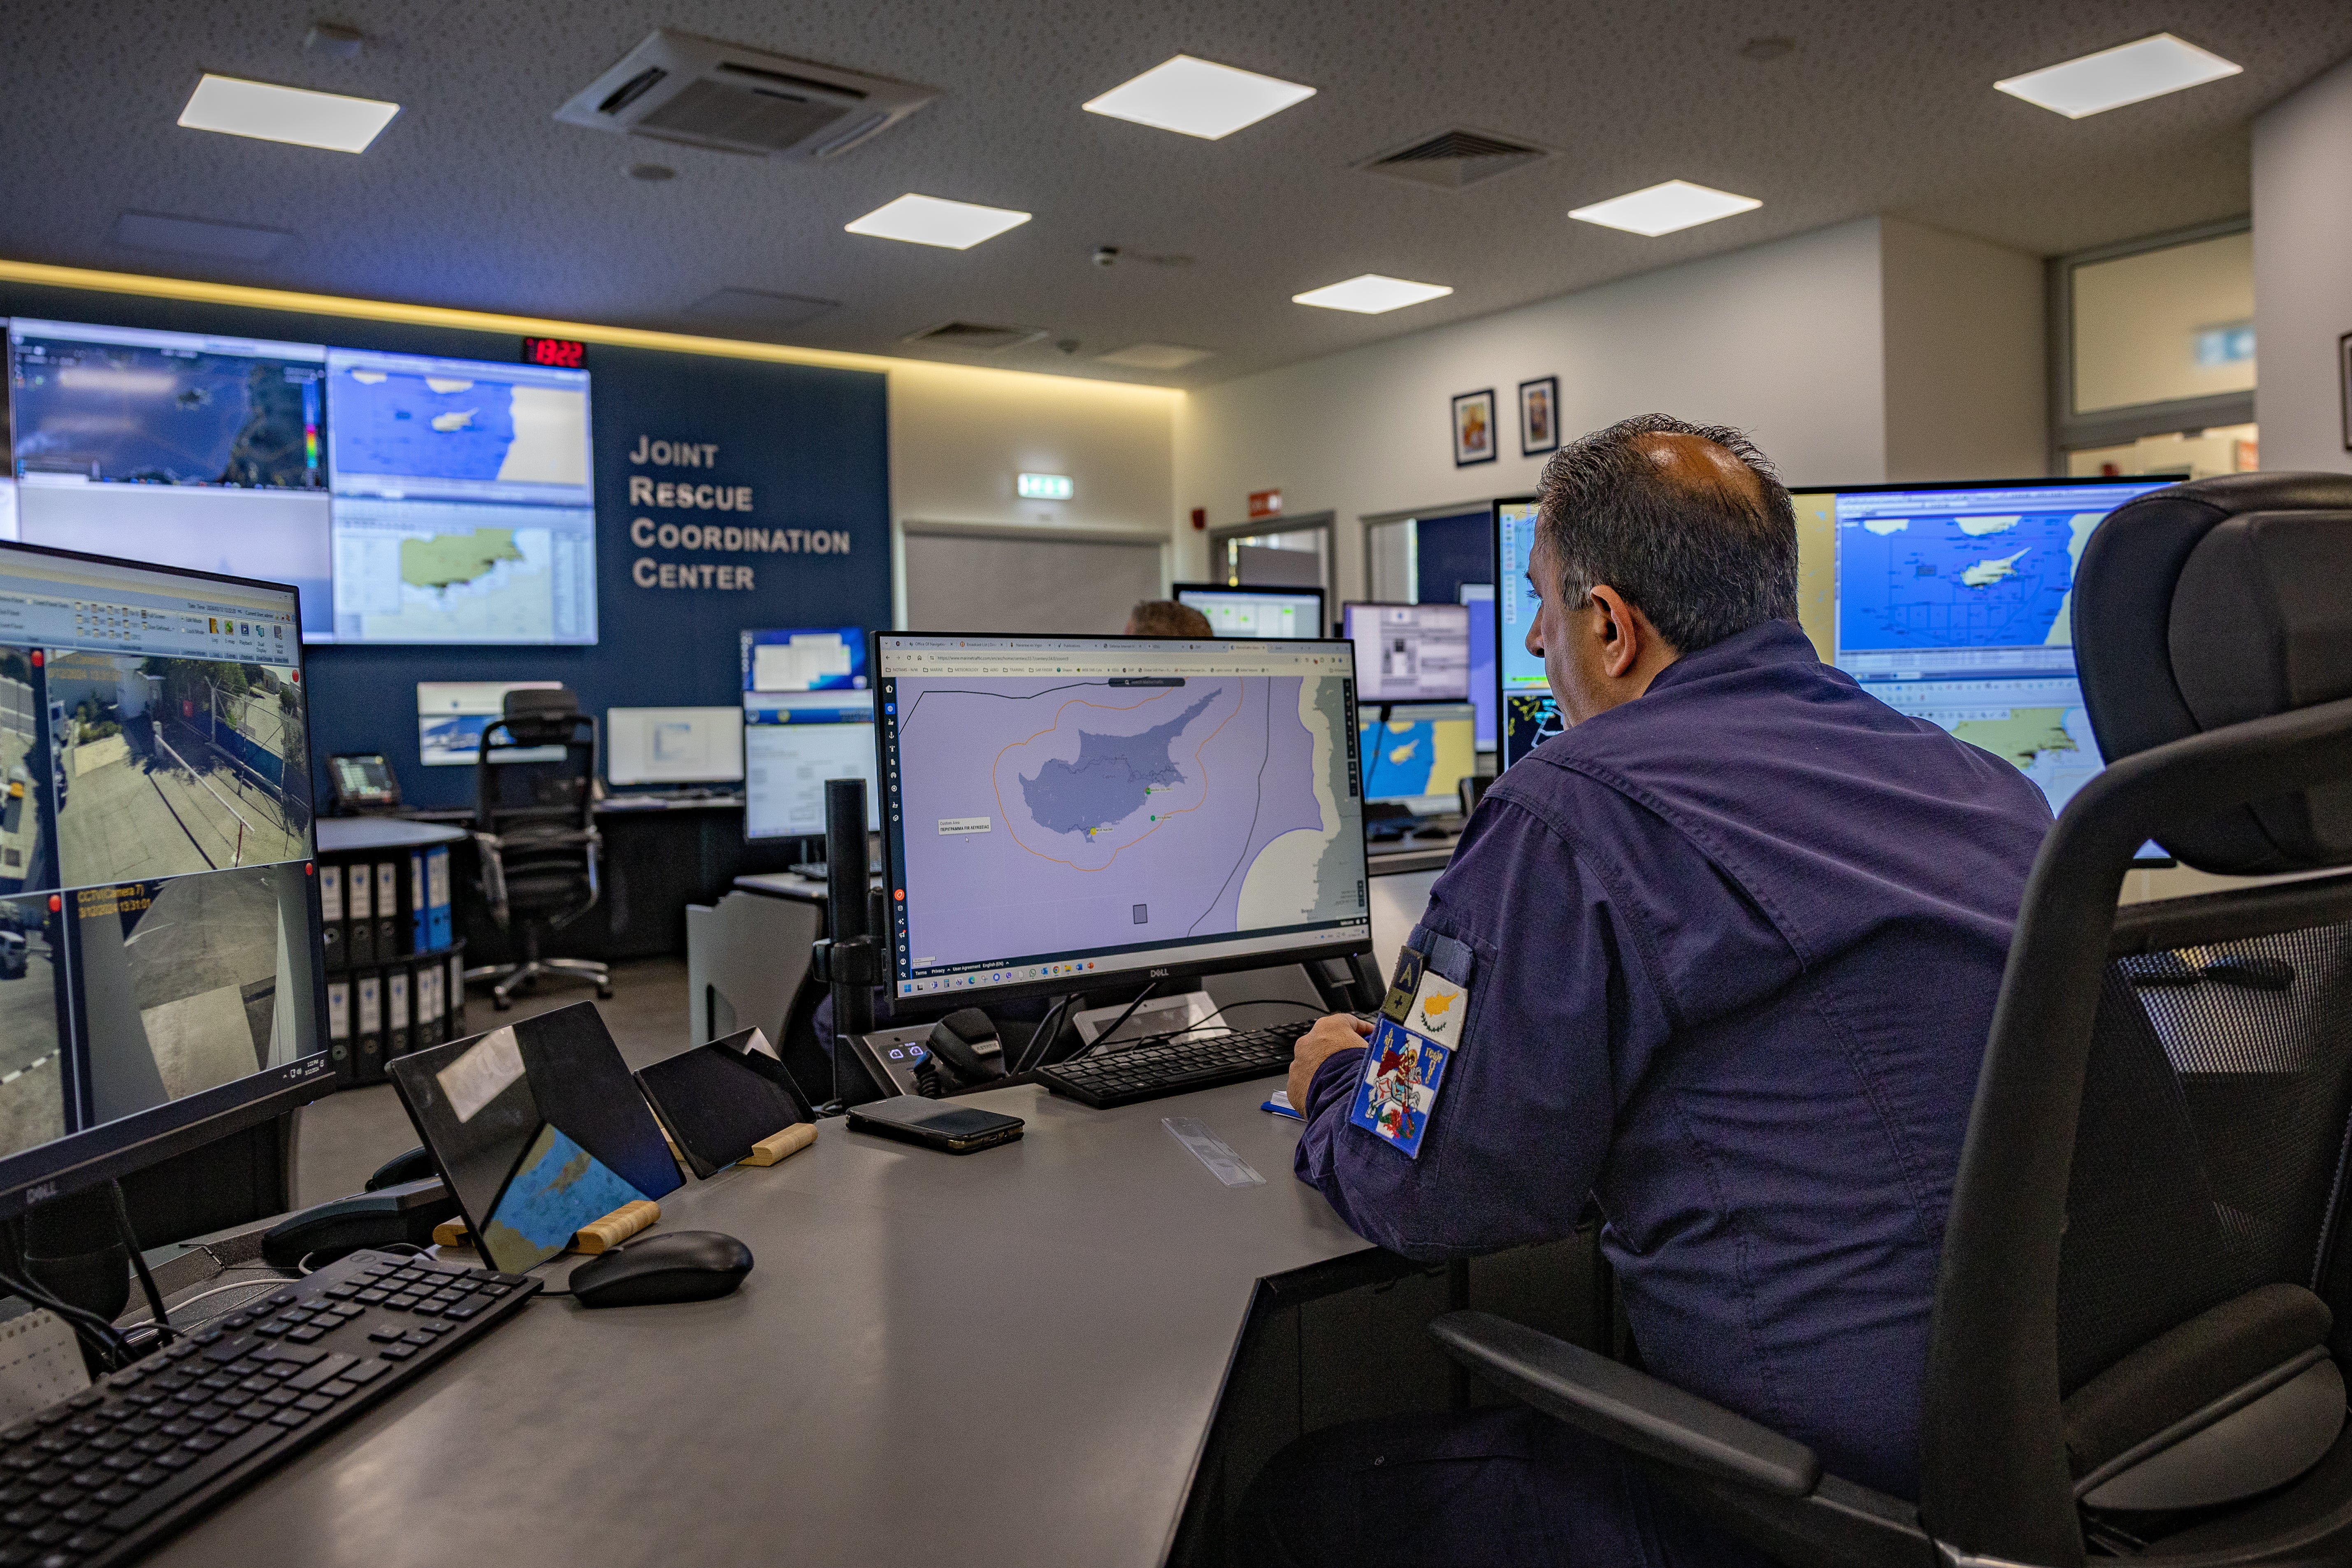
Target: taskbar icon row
{"type": "Point", "coordinates": [1020, 974]}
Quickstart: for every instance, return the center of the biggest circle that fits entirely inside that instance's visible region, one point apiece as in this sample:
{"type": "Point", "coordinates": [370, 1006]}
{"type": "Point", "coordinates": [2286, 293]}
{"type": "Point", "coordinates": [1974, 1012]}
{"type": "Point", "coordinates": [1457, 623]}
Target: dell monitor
{"type": "Point", "coordinates": [1080, 811]}
{"type": "Point", "coordinates": [1410, 652]}
{"type": "Point", "coordinates": [160, 983]}
{"type": "Point", "coordinates": [1416, 755]}
{"type": "Point", "coordinates": [1478, 598]}
{"type": "Point", "coordinates": [1235, 612]}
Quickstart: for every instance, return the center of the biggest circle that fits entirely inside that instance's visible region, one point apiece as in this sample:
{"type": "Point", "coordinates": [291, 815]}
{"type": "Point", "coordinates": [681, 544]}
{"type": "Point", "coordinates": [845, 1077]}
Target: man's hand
{"type": "Point", "coordinates": [1335, 1033]}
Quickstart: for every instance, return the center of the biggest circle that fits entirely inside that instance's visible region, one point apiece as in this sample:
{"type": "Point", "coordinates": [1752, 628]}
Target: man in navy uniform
{"type": "Point", "coordinates": [1716, 963]}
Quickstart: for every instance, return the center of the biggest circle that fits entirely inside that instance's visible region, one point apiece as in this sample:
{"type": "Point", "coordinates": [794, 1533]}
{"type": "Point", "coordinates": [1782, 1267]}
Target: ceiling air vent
{"type": "Point", "coordinates": [676, 87]}
{"type": "Point", "coordinates": [1455, 160]}
{"type": "Point", "coordinates": [976, 336]}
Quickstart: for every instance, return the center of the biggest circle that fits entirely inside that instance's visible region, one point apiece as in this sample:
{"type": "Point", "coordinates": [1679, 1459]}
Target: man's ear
{"type": "Point", "coordinates": [1621, 632]}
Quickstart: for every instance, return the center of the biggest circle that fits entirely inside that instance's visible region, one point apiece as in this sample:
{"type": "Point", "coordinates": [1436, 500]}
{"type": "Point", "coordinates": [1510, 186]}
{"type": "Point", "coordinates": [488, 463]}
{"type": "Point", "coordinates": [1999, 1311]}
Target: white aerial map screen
{"type": "Point", "coordinates": [1061, 806]}
{"type": "Point", "coordinates": [463, 508]}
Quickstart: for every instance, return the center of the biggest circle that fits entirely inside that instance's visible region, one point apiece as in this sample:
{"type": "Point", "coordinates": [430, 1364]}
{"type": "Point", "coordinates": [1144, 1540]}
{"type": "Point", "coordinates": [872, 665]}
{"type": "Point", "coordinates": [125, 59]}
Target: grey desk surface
{"type": "Point", "coordinates": [343, 834]}
{"type": "Point", "coordinates": [1011, 1357]}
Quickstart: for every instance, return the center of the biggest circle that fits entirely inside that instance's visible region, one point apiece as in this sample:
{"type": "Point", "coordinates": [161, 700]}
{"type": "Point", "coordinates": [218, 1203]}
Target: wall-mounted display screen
{"type": "Point", "coordinates": [176, 448]}
{"type": "Point", "coordinates": [410, 499]}
{"type": "Point", "coordinates": [464, 508]}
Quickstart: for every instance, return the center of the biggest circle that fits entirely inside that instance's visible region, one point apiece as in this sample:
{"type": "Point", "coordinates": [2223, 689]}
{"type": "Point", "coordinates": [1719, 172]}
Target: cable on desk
{"type": "Point", "coordinates": [1034, 1054]}
{"type": "Point", "coordinates": [271, 1279]}
{"type": "Point", "coordinates": [1314, 1008]}
{"type": "Point", "coordinates": [161, 1320]}
{"type": "Point", "coordinates": [113, 1351]}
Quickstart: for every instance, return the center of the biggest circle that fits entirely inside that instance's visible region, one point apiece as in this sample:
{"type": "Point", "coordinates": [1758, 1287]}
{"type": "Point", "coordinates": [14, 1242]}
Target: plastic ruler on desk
{"type": "Point", "coordinates": [1213, 1151]}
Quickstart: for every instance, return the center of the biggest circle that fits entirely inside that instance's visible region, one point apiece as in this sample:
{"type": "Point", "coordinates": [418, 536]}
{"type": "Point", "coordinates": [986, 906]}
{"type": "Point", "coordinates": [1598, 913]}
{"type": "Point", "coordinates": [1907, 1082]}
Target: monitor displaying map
{"type": "Point", "coordinates": [464, 506]}
{"type": "Point", "coordinates": [1954, 604]}
{"type": "Point", "coordinates": [176, 448]}
{"type": "Point", "coordinates": [1525, 715]}
{"type": "Point", "coordinates": [1416, 755]}
{"type": "Point", "coordinates": [1060, 808]}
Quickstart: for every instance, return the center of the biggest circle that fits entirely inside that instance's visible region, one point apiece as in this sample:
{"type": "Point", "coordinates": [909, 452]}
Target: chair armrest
{"type": "Point", "coordinates": [1629, 1408]}
{"type": "Point", "coordinates": [494, 875]}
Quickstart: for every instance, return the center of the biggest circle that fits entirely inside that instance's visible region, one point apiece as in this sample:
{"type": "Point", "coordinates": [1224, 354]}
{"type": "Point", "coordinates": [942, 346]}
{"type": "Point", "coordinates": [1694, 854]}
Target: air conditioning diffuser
{"type": "Point", "coordinates": [676, 87]}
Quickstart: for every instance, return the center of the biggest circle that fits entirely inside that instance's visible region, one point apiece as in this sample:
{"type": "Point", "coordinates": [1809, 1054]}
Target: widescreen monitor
{"type": "Point", "coordinates": [673, 745]}
{"type": "Point", "coordinates": [178, 448]}
{"type": "Point", "coordinates": [464, 500]}
{"type": "Point", "coordinates": [1410, 652]}
{"type": "Point", "coordinates": [452, 714]}
{"type": "Point", "coordinates": [1479, 599]}
{"type": "Point", "coordinates": [1080, 811]}
{"type": "Point", "coordinates": [159, 924]}
{"type": "Point", "coordinates": [1525, 716]}
{"type": "Point", "coordinates": [1953, 603]}
{"type": "Point", "coordinates": [1416, 755]}
{"type": "Point", "coordinates": [1235, 612]}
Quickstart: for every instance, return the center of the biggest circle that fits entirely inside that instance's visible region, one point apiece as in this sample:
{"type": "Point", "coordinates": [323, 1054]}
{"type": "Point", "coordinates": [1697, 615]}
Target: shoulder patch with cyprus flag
{"type": "Point", "coordinates": [1421, 1024]}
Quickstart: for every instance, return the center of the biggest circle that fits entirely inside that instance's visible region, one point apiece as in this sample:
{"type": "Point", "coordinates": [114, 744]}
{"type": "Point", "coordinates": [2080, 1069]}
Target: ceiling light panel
{"type": "Point", "coordinates": [238, 108]}
{"type": "Point", "coordinates": [2128, 73]}
{"type": "Point", "coordinates": [930, 220]}
{"type": "Point", "coordinates": [1663, 209]}
{"type": "Point", "coordinates": [1371, 294]}
{"type": "Point", "coordinates": [1198, 98]}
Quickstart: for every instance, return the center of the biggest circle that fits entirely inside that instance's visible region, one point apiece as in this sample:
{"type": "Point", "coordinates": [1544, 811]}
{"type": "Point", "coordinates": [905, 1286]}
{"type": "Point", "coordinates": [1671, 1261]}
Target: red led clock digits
{"type": "Point", "coordinates": [561, 353]}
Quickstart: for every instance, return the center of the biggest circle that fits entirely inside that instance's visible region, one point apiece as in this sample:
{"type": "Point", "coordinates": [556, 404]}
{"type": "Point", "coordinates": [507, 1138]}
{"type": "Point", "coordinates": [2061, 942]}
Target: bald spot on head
{"type": "Point", "coordinates": [1699, 468]}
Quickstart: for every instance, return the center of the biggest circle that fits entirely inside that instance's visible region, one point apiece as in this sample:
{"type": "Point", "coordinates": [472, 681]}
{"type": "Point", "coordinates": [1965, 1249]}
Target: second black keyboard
{"type": "Point", "coordinates": [1160, 1065]}
{"type": "Point", "coordinates": [100, 1478]}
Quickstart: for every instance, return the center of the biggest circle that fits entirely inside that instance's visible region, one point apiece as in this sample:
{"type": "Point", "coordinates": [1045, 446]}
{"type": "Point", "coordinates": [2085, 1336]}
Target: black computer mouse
{"type": "Point", "coordinates": [677, 1265]}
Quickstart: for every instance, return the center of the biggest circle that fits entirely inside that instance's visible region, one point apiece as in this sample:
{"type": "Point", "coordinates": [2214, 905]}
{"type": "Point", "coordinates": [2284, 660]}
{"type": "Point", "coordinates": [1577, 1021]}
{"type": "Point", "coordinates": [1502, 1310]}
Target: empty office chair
{"type": "Point", "coordinates": [535, 827]}
{"type": "Point", "coordinates": [2146, 1297]}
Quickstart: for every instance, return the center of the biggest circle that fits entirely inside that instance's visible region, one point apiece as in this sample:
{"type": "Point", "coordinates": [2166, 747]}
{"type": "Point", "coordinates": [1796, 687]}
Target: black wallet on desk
{"type": "Point", "coordinates": [934, 1123]}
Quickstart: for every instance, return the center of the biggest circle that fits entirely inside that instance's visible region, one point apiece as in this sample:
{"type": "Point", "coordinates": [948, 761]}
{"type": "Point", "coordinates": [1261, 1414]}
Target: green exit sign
{"type": "Point", "coordinates": [1045, 486]}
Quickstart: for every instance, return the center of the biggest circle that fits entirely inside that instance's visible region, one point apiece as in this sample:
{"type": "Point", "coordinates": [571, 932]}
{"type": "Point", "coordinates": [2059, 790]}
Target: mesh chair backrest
{"type": "Point", "coordinates": [2209, 1154]}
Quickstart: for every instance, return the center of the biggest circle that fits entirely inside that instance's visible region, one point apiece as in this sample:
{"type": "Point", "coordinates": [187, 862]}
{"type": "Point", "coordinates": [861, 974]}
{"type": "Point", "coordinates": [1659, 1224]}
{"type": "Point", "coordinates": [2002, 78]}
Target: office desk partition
{"type": "Point", "coordinates": [1008, 1358]}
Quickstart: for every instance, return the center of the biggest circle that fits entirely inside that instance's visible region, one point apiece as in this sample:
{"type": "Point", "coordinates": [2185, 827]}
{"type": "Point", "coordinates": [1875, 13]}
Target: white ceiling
{"type": "Point", "coordinates": [476, 197]}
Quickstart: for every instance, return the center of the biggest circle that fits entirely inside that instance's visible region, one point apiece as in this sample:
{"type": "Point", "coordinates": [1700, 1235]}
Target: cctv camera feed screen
{"type": "Point", "coordinates": [156, 933]}
{"type": "Point", "coordinates": [173, 448]}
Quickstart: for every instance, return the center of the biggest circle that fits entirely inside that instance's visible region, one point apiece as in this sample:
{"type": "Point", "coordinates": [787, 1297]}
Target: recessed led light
{"type": "Point", "coordinates": [2127, 73]}
{"type": "Point", "coordinates": [1199, 98]}
{"type": "Point", "coordinates": [930, 220]}
{"type": "Point", "coordinates": [1662, 209]}
{"type": "Point", "coordinates": [238, 108]}
{"type": "Point", "coordinates": [1370, 294]}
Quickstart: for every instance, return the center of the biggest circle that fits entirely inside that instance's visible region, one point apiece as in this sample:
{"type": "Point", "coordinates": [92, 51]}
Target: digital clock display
{"type": "Point", "coordinates": [561, 353]}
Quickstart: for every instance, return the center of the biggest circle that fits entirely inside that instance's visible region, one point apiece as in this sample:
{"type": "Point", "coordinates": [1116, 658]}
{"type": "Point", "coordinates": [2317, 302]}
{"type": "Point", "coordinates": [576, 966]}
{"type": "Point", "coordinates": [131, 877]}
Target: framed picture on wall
{"type": "Point", "coordinates": [1539, 416]}
{"type": "Point", "coordinates": [1474, 428]}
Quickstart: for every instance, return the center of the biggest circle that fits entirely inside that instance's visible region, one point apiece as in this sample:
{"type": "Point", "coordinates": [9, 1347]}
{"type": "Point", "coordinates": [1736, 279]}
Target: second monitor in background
{"type": "Point", "coordinates": [1410, 652]}
{"type": "Point", "coordinates": [808, 716]}
{"type": "Point", "coordinates": [1236, 611]}
{"type": "Point", "coordinates": [1478, 598]}
{"type": "Point", "coordinates": [1416, 755]}
{"type": "Point", "coordinates": [452, 714]}
{"type": "Point", "coordinates": [673, 745]}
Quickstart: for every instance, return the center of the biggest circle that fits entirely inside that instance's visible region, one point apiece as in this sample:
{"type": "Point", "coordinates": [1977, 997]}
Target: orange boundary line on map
{"type": "Point", "coordinates": [998, 789]}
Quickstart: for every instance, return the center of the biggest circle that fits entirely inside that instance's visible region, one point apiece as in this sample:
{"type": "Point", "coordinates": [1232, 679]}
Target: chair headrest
{"type": "Point", "coordinates": [541, 715]}
{"type": "Point", "coordinates": [2215, 602]}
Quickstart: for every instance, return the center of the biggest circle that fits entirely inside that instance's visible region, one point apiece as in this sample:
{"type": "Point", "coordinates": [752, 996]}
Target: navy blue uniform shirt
{"type": "Point", "coordinates": [1736, 944]}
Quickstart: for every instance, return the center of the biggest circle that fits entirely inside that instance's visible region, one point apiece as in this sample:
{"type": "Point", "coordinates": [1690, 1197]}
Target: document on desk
{"type": "Point", "coordinates": [1213, 1151]}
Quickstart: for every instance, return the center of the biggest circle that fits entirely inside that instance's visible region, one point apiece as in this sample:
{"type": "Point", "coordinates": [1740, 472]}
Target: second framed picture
{"type": "Point", "coordinates": [1539, 416]}
{"type": "Point", "coordinates": [1474, 428]}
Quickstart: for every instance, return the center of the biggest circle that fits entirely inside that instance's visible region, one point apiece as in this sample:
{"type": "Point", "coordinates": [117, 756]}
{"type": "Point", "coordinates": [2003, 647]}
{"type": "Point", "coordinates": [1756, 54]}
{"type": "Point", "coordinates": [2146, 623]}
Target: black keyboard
{"type": "Point", "coordinates": [104, 1475]}
{"type": "Point", "coordinates": [1160, 1065]}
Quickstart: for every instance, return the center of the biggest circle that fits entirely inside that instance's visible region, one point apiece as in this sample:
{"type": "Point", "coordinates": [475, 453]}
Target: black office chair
{"type": "Point", "coordinates": [535, 826]}
{"type": "Point", "coordinates": [2146, 1293]}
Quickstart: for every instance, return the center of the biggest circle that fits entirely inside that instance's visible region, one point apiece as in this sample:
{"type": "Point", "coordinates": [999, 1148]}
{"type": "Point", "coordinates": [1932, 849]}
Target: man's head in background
{"type": "Point", "coordinates": [1166, 618]}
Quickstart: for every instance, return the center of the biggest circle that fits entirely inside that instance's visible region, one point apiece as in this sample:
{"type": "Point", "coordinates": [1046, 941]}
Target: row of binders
{"type": "Point", "coordinates": [374, 913]}
{"type": "Point", "coordinates": [408, 1003]}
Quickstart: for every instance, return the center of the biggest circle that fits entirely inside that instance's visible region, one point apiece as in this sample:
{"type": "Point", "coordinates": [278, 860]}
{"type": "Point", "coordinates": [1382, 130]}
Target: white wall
{"type": "Point", "coordinates": [2303, 271]}
{"type": "Point", "coordinates": [1967, 356]}
{"type": "Point", "coordinates": [1784, 340]}
{"type": "Point", "coordinates": [959, 435]}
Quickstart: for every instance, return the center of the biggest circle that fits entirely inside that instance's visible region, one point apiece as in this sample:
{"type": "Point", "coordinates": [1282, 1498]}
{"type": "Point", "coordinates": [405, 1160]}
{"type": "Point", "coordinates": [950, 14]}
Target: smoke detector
{"type": "Point", "coordinates": [676, 87]}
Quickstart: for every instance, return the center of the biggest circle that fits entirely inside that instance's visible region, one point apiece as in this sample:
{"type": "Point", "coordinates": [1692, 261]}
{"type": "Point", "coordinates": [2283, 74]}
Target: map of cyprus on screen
{"type": "Point", "coordinates": [1118, 803]}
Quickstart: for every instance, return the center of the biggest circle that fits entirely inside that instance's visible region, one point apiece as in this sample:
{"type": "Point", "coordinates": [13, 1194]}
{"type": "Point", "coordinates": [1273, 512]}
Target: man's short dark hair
{"type": "Point", "coordinates": [1167, 618]}
{"type": "Point", "coordinates": [1702, 557]}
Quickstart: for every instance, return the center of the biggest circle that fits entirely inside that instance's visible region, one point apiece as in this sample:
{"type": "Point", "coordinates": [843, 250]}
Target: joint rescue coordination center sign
{"type": "Point", "coordinates": [717, 523]}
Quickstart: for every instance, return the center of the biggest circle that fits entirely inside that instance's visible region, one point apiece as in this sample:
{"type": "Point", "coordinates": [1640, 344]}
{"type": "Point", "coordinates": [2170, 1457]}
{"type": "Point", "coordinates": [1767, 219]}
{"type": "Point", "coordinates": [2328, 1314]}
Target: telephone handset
{"type": "Point", "coordinates": [963, 1053]}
